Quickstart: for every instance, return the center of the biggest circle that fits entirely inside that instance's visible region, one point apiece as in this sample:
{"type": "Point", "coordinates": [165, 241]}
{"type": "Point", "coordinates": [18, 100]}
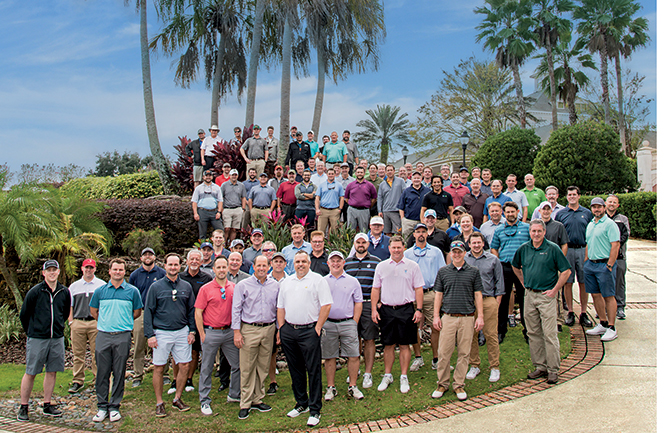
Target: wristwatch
{"type": "Point", "coordinates": [419, 309]}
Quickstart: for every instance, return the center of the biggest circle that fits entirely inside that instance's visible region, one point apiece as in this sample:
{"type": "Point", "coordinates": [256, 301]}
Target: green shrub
{"type": "Point", "coordinates": [88, 187]}
{"type": "Point", "coordinates": [138, 239]}
{"type": "Point", "coordinates": [639, 207]}
{"type": "Point", "coordinates": [10, 325]}
{"type": "Point", "coordinates": [341, 239]}
{"type": "Point", "coordinates": [588, 155]}
{"type": "Point", "coordinates": [276, 231]}
{"type": "Point", "coordinates": [125, 186]}
{"type": "Point", "coordinates": [509, 152]}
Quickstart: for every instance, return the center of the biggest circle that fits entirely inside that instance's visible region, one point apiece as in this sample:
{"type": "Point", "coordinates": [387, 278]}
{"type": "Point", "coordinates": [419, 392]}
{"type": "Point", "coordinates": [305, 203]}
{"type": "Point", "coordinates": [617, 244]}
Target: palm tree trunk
{"type": "Point", "coordinates": [384, 151]}
{"type": "Point", "coordinates": [217, 81]}
{"type": "Point", "coordinates": [519, 95]}
{"type": "Point", "coordinates": [163, 169]}
{"type": "Point", "coordinates": [621, 116]}
{"type": "Point", "coordinates": [285, 89]}
{"type": "Point", "coordinates": [319, 97]}
{"type": "Point", "coordinates": [604, 81]}
{"type": "Point", "coordinates": [254, 62]}
{"type": "Point", "coordinates": [552, 84]}
{"type": "Point", "coordinates": [570, 91]}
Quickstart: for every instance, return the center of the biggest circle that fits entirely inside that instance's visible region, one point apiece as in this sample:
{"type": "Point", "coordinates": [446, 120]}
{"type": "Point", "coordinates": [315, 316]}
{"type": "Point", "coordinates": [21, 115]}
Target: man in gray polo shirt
{"type": "Point", "coordinates": [255, 151]}
{"type": "Point", "coordinates": [207, 205]}
{"type": "Point", "coordinates": [234, 201]}
{"type": "Point", "coordinates": [261, 200]}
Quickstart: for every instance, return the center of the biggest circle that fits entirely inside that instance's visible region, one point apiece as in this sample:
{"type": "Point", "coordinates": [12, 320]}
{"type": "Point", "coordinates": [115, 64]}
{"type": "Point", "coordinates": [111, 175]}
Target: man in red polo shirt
{"type": "Point", "coordinates": [286, 196]}
{"type": "Point", "coordinates": [456, 189]}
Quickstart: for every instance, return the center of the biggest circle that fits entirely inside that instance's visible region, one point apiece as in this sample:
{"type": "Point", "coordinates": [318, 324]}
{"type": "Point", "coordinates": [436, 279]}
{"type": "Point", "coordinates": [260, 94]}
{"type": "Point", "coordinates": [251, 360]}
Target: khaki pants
{"type": "Point", "coordinates": [540, 316]}
{"type": "Point", "coordinates": [257, 164]}
{"type": "Point", "coordinates": [328, 218]}
{"type": "Point", "coordinates": [407, 227]}
{"type": "Point", "coordinates": [455, 332]}
{"type": "Point", "coordinates": [442, 224]}
{"type": "Point", "coordinates": [139, 346]}
{"type": "Point", "coordinates": [490, 329]}
{"type": "Point", "coordinates": [256, 215]}
{"type": "Point", "coordinates": [83, 331]}
{"type": "Point", "coordinates": [254, 360]}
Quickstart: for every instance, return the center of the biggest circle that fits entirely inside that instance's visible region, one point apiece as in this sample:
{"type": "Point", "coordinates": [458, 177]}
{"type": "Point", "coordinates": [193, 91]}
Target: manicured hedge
{"type": "Point", "coordinates": [125, 186]}
{"type": "Point", "coordinates": [174, 217]}
{"type": "Point", "coordinates": [639, 207]}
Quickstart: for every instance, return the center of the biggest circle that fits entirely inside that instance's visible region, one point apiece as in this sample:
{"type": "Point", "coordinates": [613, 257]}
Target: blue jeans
{"type": "Point", "coordinates": [309, 214]}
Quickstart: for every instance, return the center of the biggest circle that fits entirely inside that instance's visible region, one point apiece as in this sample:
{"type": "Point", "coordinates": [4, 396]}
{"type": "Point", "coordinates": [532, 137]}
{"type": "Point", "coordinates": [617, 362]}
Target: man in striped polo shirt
{"type": "Point", "coordinates": [361, 265]}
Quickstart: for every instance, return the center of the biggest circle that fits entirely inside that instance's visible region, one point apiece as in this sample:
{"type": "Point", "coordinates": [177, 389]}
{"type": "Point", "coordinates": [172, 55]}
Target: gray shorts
{"type": "Point", "coordinates": [392, 221]}
{"type": "Point", "coordinates": [576, 258]}
{"type": "Point", "coordinates": [340, 339]}
{"type": "Point", "coordinates": [368, 330]}
{"type": "Point", "coordinates": [174, 342]}
{"type": "Point", "coordinates": [44, 352]}
{"type": "Point", "coordinates": [197, 172]}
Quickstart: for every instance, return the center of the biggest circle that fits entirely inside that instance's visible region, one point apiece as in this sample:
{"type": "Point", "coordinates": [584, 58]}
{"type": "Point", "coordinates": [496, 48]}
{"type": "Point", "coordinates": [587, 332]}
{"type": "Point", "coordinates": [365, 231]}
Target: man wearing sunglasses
{"type": "Point", "coordinates": [213, 314]}
{"type": "Point", "coordinates": [169, 326]}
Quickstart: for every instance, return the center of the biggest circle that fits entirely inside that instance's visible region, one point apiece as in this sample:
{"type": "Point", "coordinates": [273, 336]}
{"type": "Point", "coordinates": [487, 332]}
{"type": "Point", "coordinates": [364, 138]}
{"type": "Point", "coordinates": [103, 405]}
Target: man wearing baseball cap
{"type": "Point", "coordinates": [234, 201]}
{"type": "Point", "coordinates": [272, 145]}
{"type": "Point", "coordinates": [45, 308]}
{"type": "Point", "coordinates": [207, 205]}
{"type": "Point", "coordinates": [83, 326]}
{"type": "Point", "coordinates": [193, 150]}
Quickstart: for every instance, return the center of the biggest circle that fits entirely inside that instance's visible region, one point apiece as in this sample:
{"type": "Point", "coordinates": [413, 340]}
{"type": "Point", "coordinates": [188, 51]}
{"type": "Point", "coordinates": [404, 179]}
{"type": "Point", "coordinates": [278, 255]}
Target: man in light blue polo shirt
{"type": "Point", "coordinates": [298, 244]}
{"type": "Point", "coordinates": [329, 202]}
{"type": "Point", "coordinates": [115, 306]}
{"type": "Point", "coordinates": [497, 196]}
{"type": "Point", "coordinates": [603, 241]}
{"type": "Point", "coordinates": [261, 200]}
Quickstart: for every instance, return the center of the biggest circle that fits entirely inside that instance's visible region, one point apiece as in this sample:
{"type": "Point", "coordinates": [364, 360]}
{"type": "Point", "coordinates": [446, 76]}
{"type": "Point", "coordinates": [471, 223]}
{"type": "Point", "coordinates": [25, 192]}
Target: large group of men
{"type": "Point", "coordinates": [434, 251]}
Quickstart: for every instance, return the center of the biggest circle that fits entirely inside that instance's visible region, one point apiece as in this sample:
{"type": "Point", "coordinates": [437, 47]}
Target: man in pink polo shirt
{"type": "Point", "coordinates": [397, 285]}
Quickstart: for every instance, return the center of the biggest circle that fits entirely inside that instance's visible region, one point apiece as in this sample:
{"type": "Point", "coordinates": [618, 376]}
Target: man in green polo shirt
{"type": "Point", "coordinates": [542, 269]}
{"type": "Point", "coordinates": [533, 194]}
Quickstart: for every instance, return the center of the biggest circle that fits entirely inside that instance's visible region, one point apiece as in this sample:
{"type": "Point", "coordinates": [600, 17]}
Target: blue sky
{"type": "Point", "coordinates": [71, 81]}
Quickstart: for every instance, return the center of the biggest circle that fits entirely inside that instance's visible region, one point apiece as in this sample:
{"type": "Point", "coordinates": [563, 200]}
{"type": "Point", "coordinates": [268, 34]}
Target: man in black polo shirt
{"type": "Point", "coordinates": [542, 269]}
{"type": "Point", "coordinates": [458, 293]}
{"type": "Point", "coordinates": [318, 258]}
{"type": "Point", "coordinates": [440, 201]}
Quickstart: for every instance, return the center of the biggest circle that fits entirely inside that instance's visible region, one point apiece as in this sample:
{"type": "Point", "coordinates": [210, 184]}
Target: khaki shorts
{"type": "Point", "coordinates": [197, 172]}
{"type": "Point", "coordinates": [231, 218]}
{"type": "Point", "coordinates": [427, 307]}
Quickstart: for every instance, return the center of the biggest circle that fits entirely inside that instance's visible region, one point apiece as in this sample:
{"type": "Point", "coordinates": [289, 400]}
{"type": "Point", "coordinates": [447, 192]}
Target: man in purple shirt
{"type": "Point", "coordinates": [340, 337]}
{"type": "Point", "coordinates": [360, 196]}
{"type": "Point", "coordinates": [398, 284]}
{"type": "Point", "coordinates": [254, 325]}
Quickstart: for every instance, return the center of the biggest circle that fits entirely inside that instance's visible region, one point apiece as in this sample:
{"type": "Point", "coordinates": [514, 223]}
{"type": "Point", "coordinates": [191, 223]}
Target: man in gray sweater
{"type": "Point", "coordinates": [389, 192]}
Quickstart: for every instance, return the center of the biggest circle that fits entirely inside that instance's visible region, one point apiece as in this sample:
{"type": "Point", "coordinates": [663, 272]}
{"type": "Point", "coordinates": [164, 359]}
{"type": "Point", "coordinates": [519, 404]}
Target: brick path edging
{"type": "Point", "coordinates": [586, 353]}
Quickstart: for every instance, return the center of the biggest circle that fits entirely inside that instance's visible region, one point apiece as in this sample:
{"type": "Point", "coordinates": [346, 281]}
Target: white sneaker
{"type": "Point", "coordinates": [114, 416]}
{"type": "Point", "coordinates": [353, 391]}
{"type": "Point", "coordinates": [598, 330]}
{"type": "Point", "coordinates": [405, 384]}
{"type": "Point", "coordinates": [233, 400]}
{"type": "Point", "coordinates": [189, 388]}
{"type": "Point", "coordinates": [386, 380]}
{"type": "Point", "coordinates": [434, 364]}
{"type": "Point", "coordinates": [451, 368]}
{"type": "Point", "coordinates": [171, 390]}
{"type": "Point", "coordinates": [348, 377]}
{"type": "Point", "coordinates": [417, 364]}
{"type": "Point", "coordinates": [472, 373]}
{"type": "Point", "coordinates": [331, 393]}
{"type": "Point", "coordinates": [297, 411]}
{"type": "Point", "coordinates": [313, 420]}
{"type": "Point", "coordinates": [99, 417]}
{"type": "Point", "coordinates": [439, 392]}
{"type": "Point", "coordinates": [461, 394]}
{"type": "Point", "coordinates": [206, 409]}
{"type": "Point", "coordinates": [368, 380]}
{"type": "Point", "coordinates": [609, 335]}
{"type": "Point", "coordinates": [495, 375]}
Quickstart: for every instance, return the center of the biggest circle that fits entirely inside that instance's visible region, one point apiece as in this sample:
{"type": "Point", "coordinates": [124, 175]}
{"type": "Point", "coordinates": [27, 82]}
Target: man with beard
{"type": "Point", "coordinates": [389, 193]}
{"type": "Point", "coordinates": [255, 151]}
{"type": "Point", "coordinates": [142, 278]}
{"type": "Point", "coordinates": [435, 236]}
{"type": "Point", "coordinates": [207, 205]}
{"type": "Point", "coordinates": [360, 197]}
{"type": "Point", "coordinates": [329, 203]}
{"type": "Point", "coordinates": [286, 196]}
{"type": "Point", "coordinates": [299, 150]}
{"type": "Point", "coordinates": [475, 201]}
{"type": "Point", "coordinates": [234, 201]}
{"type": "Point", "coordinates": [305, 200]}
{"type": "Point", "coordinates": [440, 201]}
{"type": "Point", "coordinates": [621, 265]}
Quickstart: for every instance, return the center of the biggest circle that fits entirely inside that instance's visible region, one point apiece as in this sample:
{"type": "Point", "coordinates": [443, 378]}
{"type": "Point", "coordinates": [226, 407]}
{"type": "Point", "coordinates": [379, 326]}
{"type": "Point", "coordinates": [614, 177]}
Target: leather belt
{"type": "Point", "coordinates": [261, 207]}
{"type": "Point", "coordinates": [216, 329]}
{"type": "Point", "coordinates": [397, 307]}
{"type": "Point", "coordinates": [261, 325]}
{"type": "Point", "coordinates": [235, 207]}
{"type": "Point", "coordinates": [359, 208]}
{"type": "Point", "coordinates": [534, 291]}
{"type": "Point", "coordinates": [306, 326]}
{"type": "Point", "coordinates": [569, 245]}
{"type": "Point", "coordinates": [329, 208]}
{"type": "Point", "coordinates": [428, 290]}
{"type": "Point", "coordinates": [461, 315]}
{"type": "Point", "coordinates": [87, 319]}
{"type": "Point", "coordinates": [600, 260]}
{"type": "Point", "coordinates": [339, 320]}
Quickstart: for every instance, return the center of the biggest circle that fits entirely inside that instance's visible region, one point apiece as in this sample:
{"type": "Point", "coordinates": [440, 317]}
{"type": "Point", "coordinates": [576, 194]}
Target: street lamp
{"type": "Point", "coordinates": [405, 152]}
{"type": "Point", "coordinates": [464, 145]}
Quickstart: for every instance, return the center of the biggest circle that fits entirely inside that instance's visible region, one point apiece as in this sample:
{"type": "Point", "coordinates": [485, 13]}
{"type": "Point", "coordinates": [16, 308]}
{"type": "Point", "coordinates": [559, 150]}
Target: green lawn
{"type": "Point", "coordinates": [139, 403]}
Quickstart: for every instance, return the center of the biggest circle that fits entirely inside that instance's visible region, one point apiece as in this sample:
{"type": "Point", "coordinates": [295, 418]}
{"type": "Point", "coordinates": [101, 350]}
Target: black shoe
{"type": "Point", "coordinates": [560, 328]}
{"type": "Point", "coordinates": [273, 388]}
{"type": "Point", "coordinates": [244, 413]}
{"type": "Point", "coordinates": [481, 340]}
{"type": "Point", "coordinates": [501, 337]}
{"type": "Point", "coordinates": [223, 386]}
{"type": "Point", "coordinates": [76, 387]}
{"type": "Point", "coordinates": [262, 407]}
{"type": "Point", "coordinates": [536, 374]}
{"type": "Point", "coordinates": [23, 414]}
{"type": "Point", "coordinates": [51, 410]}
{"type": "Point", "coordinates": [585, 321]}
{"type": "Point", "coordinates": [570, 319]}
{"type": "Point", "coordinates": [525, 336]}
{"type": "Point", "coordinates": [511, 321]}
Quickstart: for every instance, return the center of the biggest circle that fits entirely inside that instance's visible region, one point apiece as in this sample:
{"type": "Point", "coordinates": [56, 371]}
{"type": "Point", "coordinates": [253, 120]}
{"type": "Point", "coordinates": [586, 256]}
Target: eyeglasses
{"type": "Point", "coordinates": [223, 294]}
{"type": "Point", "coordinates": [513, 230]}
{"type": "Point", "coordinates": [173, 295]}
{"type": "Point", "coordinates": [268, 250]}
{"type": "Point", "coordinates": [419, 252]}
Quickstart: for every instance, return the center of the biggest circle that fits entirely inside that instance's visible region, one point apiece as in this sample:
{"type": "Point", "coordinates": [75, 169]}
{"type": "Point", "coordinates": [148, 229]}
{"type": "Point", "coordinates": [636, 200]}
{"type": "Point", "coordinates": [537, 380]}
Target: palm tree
{"type": "Point", "coordinates": [260, 6]}
{"type": "Point", "coordinates": [506, 30]}
{"type": "Point", "coordinates": [22, 216]}
{"type": "Point", "coordinates": [550, 28]}
{"type": "Point", "coordinates": [633, 36]}
{"type": "Point", "coordinates": [601, 21]}
{"type": "Point", "coordinates": [385, 125]}
{"type": "Point", "coordinates": [569, 75]}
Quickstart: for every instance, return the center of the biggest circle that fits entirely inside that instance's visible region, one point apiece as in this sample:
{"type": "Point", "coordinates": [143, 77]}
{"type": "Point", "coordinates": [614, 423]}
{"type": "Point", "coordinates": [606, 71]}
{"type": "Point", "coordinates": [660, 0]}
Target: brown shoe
{"type": "Point", "coordinates": [160, 412]}
{"type": "Point", "coordinates": [552, 378]}
{"type": "Point", "coordinates": [537, 374]}
{"type": "Point", "coordinates": [178, 404]}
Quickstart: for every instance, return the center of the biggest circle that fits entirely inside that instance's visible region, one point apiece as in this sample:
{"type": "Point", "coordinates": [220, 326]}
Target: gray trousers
{"type": "Point", "coordinates": [358, 219]}
{"type": "Point", "coordinates": [215, 339]}
{"type": "Point", "coordinates": [620, 282]}
{"type": "Point", "coordinates": [207, 217]}
{"type": "Point", "coordinates": [111, 353]}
